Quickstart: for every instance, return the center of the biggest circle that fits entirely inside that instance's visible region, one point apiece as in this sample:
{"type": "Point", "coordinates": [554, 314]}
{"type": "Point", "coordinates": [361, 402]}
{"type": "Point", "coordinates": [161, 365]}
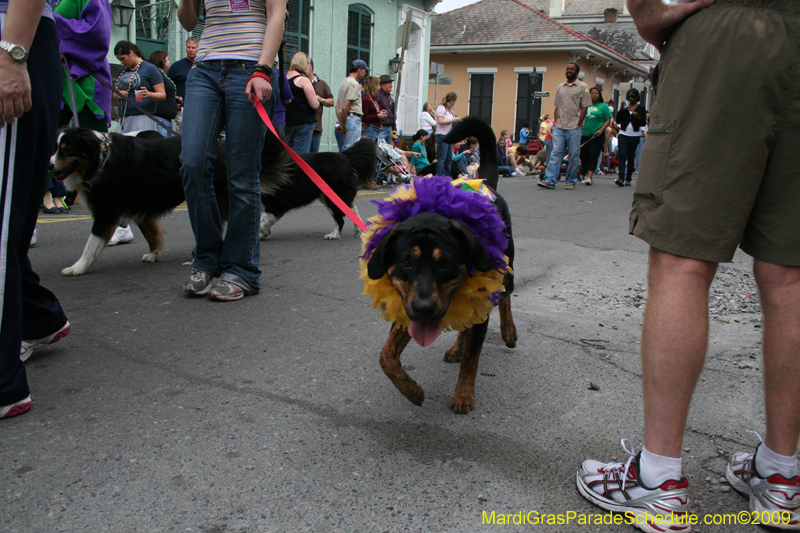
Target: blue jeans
{"type": "Point", "coordinates": [316, 136]}
{"type": "Point", "coordinates": [300, 137]}
{"type": "Point", "coordinates": [352, 131]}
{"type": "Point", "coordinates": [373, 132]}
{"type": "Point", "coordinates": [162, 125]}
{"type": "Point", "coordinates": [561, 140]}
{"type": "Point", "coordinates": [445, 152]}
{"type": "Point", "coordinates": [386, 134]}
{"type": "Point", "coordinates": [339, 139]}
{"type": "Point", "coordinates": [215, 97]}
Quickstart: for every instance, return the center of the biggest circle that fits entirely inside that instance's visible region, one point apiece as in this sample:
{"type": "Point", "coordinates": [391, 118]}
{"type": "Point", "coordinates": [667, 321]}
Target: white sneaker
{"type": "Point", "coordinates": [774, 495]}
{"type": "Point", "coordinates": [27, 347]}
{"type": "Point", "coordinates": [616, 487]}
{"type": "Point", "coordinates": [121, 236]}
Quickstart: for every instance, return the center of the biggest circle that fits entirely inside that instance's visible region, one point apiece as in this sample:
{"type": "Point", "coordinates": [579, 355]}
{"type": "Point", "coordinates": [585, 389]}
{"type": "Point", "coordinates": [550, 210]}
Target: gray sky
{"type": "Point", "coordinates": [449, 5]}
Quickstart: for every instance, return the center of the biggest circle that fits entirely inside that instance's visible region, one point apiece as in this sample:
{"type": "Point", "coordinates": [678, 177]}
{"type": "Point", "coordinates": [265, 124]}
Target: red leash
{"type": "Point", "coordinates": [319, 182]}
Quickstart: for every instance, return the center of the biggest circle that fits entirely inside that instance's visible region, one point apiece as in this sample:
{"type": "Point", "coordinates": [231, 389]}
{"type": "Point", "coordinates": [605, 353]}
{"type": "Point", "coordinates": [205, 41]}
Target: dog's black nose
{"type": "Point", "coordinates": [423, 308]}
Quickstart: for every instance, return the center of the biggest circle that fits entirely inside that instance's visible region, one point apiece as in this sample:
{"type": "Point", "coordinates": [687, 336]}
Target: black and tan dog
{"type": "Point", "coordinates": [427, 257]}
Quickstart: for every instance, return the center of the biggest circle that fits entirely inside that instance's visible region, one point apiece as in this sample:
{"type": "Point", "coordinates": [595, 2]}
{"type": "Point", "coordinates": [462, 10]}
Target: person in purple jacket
{"type": "Point", "coordinates": [84, 35]}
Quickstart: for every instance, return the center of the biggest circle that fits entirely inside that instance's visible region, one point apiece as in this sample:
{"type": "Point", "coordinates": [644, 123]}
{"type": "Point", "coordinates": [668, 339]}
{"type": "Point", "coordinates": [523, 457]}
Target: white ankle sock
{"type": "Point", "coordinates": [656, 469]}
{"type": "Point", "coordinates": [769, 462]}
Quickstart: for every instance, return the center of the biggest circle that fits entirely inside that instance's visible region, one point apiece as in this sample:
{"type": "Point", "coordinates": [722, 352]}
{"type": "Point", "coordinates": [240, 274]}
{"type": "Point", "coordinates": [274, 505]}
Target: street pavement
{"type": "Point", "coordinates": [161, 412]}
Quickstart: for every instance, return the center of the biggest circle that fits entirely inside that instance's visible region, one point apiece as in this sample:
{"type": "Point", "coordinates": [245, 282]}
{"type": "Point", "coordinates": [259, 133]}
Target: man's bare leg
{"type": "Point", "coordinates": [779, 287]}
{"type": "Point", "coordinates": [674, 341]}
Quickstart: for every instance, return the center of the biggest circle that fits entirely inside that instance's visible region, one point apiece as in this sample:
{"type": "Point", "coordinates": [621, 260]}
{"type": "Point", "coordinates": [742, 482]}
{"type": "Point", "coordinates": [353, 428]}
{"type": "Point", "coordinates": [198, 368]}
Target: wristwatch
{"type": "Point", "coordinates": [17, 52]}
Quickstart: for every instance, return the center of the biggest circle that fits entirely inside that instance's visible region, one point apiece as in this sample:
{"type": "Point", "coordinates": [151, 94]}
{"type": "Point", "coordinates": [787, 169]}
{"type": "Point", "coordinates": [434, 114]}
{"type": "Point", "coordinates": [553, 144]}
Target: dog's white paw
{"type": "Point", "coordinates": [75, 270]}
{"type": "Point", "coordinates": [264, 233]}
{"type": "Point", "coordinates": [332, 236]}
{"type": "Point", "coordinates": [150, 258]}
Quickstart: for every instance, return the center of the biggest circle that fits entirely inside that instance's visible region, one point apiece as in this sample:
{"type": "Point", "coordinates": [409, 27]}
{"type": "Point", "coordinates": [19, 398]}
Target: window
{"type": "Point", "coordinates": [480, 96]}
{"type": "Point", "coordinates": [152, 26]}
{"type": "Point", "coordinates": [359, 34]}
{"type": "Point", "coordinates": [297, 29]}
{"type": "Point", "coordinates": [529, 108]}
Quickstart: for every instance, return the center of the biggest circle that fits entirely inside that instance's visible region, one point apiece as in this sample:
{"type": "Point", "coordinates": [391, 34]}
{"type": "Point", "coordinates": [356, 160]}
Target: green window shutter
{"type": "Point", "coordinates": [297, 29]}
{"type": "Point", "coordinates": [359, 34]}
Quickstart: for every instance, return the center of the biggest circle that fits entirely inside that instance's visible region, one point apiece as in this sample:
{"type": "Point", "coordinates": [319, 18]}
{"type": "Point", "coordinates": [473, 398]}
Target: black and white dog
{"type": "Point", "coordinates": [124, 178]}
{"type": "Point", "coordinates": [121, 178]}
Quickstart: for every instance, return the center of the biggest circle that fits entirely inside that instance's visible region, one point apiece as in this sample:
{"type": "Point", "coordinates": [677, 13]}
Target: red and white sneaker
{"type": "Point", "coordinates": [616, 487]}
{"type": "Point", "coordinates": [17, 408]}
{"type": "Point", "coordinates": [778, 496]}
{"type": "Point", "coordinates": [27, 347]}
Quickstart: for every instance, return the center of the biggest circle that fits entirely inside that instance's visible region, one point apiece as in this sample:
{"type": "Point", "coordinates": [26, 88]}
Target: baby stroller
{"type": "Point", "coordinates": [389, 161]}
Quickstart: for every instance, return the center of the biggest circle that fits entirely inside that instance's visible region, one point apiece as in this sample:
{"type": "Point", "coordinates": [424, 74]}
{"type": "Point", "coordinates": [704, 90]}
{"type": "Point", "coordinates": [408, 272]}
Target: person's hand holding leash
{"type": "Point", "coordinates": [655, 20]}
{"type": "Point", "coordinates": [260, 87]}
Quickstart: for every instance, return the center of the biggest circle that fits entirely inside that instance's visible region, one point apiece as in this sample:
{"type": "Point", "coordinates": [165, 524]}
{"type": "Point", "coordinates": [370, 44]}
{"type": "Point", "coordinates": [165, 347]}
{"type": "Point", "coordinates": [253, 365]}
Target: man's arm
{"type": "Point", "coordinates": [655, 20]}
{"type": "Point", "coordinates": [582, 116]}
{"type": "Point", "coordinates": [22, 20]}
{"type": "Point", "coordinates": [342, 114]}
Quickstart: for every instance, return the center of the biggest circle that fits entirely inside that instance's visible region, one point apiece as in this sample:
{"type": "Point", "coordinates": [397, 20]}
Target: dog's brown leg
{"type": "Point", "coordinates": [507, 328]}
{"type": "Point", "coordinates": [390, 363]}
{"type": "Point", "coordinates": [464, 399]}
{"type": "Point", "coordinates": [456, 353]}
{"type": "Point", "coordinates": [154, 235]}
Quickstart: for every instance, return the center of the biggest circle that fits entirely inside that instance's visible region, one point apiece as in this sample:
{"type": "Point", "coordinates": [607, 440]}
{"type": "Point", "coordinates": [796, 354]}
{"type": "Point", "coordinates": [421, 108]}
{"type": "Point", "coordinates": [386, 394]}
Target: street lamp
{"type": "Point", "coordinates": [121, 12]}
{"type": "Point", "coordinates": [394, 64]}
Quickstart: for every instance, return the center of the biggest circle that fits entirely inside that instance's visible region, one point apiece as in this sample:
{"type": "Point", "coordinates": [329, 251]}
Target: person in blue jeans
{"type": "Point", "coordinates": [572, 100]}
{"type": "Point", "coordinates": [231, 72]}
{"type": "Point", "coordinates": [301, 112]}
{"type": "Point", "coordinates": [445, 118]}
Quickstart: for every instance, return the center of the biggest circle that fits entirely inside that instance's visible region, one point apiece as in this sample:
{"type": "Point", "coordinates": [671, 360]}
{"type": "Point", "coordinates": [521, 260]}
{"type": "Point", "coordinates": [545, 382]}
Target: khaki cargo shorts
{"type": "Point", "coordinates": [721, 163]}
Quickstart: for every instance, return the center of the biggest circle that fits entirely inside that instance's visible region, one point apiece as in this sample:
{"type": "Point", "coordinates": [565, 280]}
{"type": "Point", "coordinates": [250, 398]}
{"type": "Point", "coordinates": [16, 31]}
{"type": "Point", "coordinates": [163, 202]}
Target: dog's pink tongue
{"type": "Point", "coordinates": [424, 333]}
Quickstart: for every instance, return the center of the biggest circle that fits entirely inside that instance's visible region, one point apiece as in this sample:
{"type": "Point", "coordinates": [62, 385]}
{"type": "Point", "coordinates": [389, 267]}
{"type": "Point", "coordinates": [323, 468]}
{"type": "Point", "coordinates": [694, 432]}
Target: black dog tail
{"type": "Point", "coordinates": [364, 159]}
{"type": "Point", "coordinates": [481, 130]}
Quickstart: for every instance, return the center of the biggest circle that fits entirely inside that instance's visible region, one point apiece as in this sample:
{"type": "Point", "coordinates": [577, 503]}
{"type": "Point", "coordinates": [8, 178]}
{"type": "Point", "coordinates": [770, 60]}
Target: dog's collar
{"type": "Point", "coordinates": [105, 148]}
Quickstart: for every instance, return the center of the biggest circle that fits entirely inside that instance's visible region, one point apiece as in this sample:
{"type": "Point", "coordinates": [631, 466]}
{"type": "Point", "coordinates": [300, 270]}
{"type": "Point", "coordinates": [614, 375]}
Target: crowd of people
{"type": "Point", "coordinates": [694, 203]}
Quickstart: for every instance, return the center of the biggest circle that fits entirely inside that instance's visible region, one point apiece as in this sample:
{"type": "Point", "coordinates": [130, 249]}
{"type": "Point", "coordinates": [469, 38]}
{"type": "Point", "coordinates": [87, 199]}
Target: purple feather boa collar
{"type": "Point", "coordinates": [438, 195]}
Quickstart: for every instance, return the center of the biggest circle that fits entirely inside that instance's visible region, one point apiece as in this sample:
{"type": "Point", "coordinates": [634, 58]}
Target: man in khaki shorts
{"type": "Point", "coordinates": [705, 187]}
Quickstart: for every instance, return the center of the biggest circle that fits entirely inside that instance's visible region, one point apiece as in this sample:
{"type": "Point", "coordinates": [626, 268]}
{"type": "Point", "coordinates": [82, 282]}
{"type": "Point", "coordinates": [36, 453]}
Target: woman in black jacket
{"type": "Point", "coordinates": [632, 120]}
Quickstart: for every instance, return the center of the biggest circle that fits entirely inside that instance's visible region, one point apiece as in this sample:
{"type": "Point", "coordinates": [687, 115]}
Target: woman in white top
{"type": "Point", "coordinates": [427, 119]}
{"type": "Point", "coordinates": [632, 121]}
{"type": "Point", "coordinates": [445, 117]}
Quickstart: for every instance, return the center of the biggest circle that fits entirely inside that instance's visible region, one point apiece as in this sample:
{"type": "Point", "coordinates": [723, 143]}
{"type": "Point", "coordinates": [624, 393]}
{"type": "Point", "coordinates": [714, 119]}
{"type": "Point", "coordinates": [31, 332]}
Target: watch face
{"type": "Point", "coordinates": [18, 53]}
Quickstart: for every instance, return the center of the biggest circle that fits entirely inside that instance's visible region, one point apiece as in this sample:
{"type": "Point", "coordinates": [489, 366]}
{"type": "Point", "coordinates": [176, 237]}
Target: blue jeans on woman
{"type": "Point", "coordinates": [215, 97]}
{"type": "Point", "coordinates": [445, 152]}
{"type": "Point", "coordinates": [162, 125]}
{"type": "Point", "coordinates": [299, 137]}
{"type": "Point", "coordinates": [373, 132]}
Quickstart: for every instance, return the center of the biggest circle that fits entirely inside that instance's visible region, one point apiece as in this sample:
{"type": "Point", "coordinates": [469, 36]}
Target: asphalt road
{"type": "Point", "coordinates": [161, 412]}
